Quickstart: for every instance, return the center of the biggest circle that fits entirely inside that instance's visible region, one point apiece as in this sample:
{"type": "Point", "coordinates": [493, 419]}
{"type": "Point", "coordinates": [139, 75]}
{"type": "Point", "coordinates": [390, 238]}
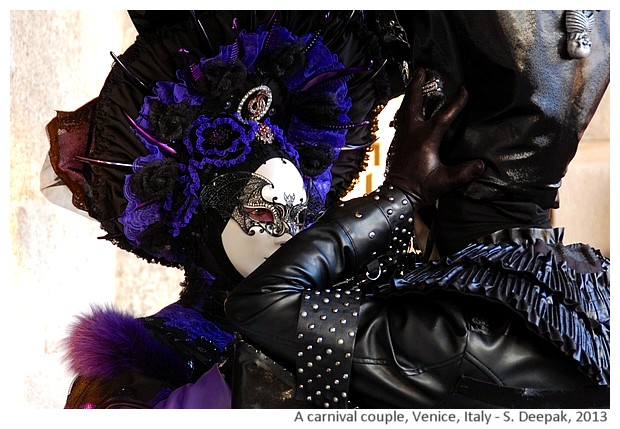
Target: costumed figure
{"type": "Point", "coordinates": [493, 311]}
{"type": "Point", "coordinates": [213, 141]}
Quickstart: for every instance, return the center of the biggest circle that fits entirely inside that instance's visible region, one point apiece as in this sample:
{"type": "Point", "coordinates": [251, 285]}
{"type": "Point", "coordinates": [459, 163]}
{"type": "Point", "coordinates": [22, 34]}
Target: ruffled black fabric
{"type": "Point", "coordinates": [562, 292]}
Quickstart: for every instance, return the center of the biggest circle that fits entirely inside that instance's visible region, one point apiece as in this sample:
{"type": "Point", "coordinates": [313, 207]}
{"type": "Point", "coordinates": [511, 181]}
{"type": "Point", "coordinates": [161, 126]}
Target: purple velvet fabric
{"type": "Point", "coordinates": [210, 391]}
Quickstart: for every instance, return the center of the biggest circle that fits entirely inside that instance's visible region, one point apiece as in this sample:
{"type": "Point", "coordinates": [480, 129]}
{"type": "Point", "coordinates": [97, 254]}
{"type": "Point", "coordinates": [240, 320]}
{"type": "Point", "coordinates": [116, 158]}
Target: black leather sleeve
{"type": "Point", "coordinates": [266, 305]}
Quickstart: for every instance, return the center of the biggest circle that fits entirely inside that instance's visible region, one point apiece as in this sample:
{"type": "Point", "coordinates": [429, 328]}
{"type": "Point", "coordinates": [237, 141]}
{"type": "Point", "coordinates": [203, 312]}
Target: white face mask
{"type": "Point", "coordinates": [268, 216]}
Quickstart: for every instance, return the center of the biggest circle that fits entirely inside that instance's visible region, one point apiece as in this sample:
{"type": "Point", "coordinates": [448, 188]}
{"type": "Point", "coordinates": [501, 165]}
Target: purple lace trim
{"type": "Point", "coordinates": [194, 325]}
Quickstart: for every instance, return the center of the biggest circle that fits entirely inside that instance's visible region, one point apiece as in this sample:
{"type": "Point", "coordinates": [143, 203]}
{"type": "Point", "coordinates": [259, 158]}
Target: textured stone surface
{"type": "Point", "coordinates": [59, 61]}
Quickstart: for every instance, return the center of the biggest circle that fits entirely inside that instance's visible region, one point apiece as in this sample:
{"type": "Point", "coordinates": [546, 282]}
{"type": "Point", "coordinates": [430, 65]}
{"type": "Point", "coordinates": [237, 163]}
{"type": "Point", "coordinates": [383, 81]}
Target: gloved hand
{"type": "Point", "coordinates": [413, 161]}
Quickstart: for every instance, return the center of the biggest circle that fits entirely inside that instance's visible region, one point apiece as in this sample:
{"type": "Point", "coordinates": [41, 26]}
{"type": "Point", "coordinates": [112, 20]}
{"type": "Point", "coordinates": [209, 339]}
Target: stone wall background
{"type": "Point", "coordinates": [57, 267]}
{"type": "Point", "coordinates": [59, 61]}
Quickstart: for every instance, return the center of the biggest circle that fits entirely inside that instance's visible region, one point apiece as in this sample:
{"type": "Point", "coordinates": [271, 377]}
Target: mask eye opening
{"type": "Point", "coordinates": [259, 214]}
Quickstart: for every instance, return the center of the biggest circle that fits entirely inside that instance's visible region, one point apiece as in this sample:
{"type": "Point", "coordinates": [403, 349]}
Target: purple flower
{"type": "Point", "coordinates": [222, 141]}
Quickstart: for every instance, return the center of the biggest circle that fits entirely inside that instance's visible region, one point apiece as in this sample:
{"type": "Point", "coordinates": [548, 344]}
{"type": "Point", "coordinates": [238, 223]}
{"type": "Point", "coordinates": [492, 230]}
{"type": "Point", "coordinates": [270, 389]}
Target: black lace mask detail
{"type": "Point", "coordinates": [239, 195]}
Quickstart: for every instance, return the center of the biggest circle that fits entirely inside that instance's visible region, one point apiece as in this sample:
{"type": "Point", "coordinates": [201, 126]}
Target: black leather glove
{"type": "Point", "coordinates": [413, 161]}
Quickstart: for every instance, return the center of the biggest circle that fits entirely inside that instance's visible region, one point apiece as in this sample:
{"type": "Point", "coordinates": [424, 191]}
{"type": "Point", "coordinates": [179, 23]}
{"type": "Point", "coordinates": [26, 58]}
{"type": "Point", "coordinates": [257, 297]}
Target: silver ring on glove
{"type": "Point", "coordinates": [433, 85]}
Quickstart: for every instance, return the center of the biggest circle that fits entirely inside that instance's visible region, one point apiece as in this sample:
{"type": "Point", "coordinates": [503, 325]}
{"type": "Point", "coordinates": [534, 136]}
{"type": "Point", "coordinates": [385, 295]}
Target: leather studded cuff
{"type": "Point", "coordinates": [326, 337]}
{"type": "Point", "coordinates": [379, 223]}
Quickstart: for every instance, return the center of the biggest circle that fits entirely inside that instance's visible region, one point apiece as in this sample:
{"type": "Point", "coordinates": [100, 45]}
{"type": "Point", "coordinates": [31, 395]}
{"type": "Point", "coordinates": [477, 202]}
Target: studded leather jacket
{"type": "Point", "coordinates": [350, 343]}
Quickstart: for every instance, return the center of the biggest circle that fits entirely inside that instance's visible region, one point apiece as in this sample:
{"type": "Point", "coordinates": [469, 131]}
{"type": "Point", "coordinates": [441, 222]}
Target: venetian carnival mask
{"type": "Point", "coordinates": [270, 209]}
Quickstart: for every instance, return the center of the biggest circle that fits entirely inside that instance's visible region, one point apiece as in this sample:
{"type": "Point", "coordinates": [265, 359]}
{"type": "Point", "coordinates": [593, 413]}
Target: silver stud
{"type": "Point", "coordinates": [332, 329]}
{"type": "Point", "coordinates": [371, 235]}
{"type": "Point", "coordinates": [304, 313]}
{"type": "Point", "coordinates": [405, 202]}
{"type": "Point", "coordinates": [311, 326]}
{"type": "Point", "coordinates": [358, 215]}
{"type": "Point", "coordinates": [328, 351]}
{"type": "Point", "coordinates": [343, 321]}
{"type": "Point", "coordinates": [390, 211]}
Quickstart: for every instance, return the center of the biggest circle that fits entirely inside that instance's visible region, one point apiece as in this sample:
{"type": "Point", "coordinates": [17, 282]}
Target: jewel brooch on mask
{"type": "Point", "coordinates": [253, 107]}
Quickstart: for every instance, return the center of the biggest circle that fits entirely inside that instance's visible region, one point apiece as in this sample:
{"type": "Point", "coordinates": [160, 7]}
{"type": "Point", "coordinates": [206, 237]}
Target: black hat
{"type": "Point", "coordinates": [191, 101]}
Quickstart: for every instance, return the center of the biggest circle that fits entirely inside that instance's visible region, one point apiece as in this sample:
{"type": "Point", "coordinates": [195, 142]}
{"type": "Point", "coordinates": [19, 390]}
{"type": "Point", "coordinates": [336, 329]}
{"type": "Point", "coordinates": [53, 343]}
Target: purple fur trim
{"type": "Point", "coordinates": [108, 342]}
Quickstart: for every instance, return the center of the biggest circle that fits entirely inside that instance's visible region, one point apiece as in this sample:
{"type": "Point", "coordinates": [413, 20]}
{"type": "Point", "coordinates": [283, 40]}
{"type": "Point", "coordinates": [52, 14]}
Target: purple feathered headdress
{"type": "Point", "coordinates": [269, 87]}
